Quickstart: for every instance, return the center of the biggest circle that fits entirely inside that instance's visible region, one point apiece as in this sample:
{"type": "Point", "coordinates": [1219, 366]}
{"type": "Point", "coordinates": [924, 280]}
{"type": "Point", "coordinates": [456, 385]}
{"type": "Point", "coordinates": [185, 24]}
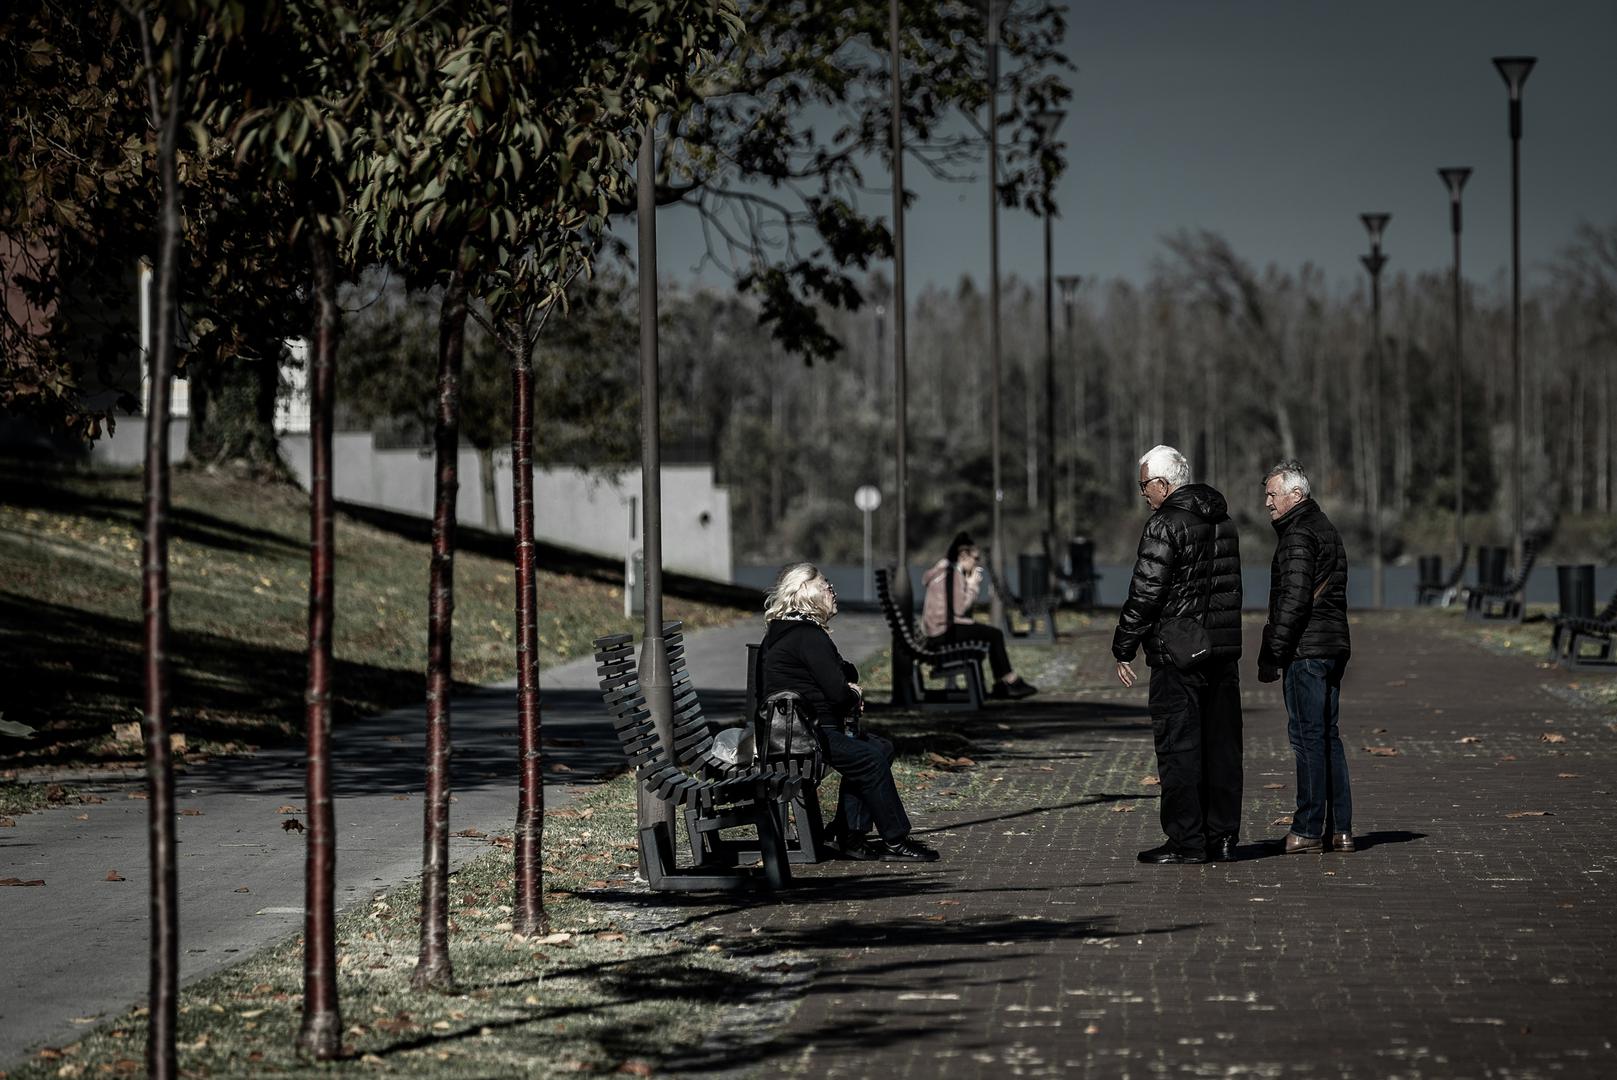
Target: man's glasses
{"type": "Point", "coordinates": [1147, 483]}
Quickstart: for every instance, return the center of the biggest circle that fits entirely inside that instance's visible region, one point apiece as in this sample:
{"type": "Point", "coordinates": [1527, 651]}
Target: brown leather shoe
{"type": "Point", "coordinates": [1302, 845]}
{"type": "Point", "coordinates": [1342, 841]}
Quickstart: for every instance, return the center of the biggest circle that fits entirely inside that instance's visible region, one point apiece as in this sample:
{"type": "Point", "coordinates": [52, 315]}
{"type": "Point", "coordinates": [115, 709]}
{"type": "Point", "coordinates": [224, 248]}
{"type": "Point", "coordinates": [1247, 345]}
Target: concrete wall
{"type": "Point", "coordinates": [574, 508]}
{"type": "Point", "coordinates": [125, 448]}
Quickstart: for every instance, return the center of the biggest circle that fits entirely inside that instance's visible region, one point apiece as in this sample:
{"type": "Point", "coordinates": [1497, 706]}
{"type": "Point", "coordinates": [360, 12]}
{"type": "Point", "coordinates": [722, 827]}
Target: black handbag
{"type": "Point", "coordinates": [786, 730]}
{"type": "Point", "coordinates": [1185, 640]}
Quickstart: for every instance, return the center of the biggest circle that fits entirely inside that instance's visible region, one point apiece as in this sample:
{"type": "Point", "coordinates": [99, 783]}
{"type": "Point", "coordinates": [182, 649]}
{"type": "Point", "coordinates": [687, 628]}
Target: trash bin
{"type": "Point", "coordinates": [1491, 563]}
{"type": "Point", "coordinates": [1431, 569]}
{"type": "Point", "coordinates": [1033, 576]}
{"type": "Point", "coordinates": [1576, 588]}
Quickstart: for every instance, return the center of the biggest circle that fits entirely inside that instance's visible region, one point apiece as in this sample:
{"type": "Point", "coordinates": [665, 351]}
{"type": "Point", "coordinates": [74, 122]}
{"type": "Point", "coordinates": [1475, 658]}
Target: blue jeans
{"type": "Point", "coordinates": [1313, 691]}
{"type": "Point", "coordinates": [869, 794]}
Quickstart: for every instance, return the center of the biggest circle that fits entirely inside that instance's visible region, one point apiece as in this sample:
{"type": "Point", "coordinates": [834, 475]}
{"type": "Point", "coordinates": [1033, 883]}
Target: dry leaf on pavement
{"type": "Point", "coordinates": [1552, 737]}
{"type": "Point", "coordinates": [1529, 813]}
{"type": "Point", "coordinates": [1382, 751]}
{"type": "Point", "coordinates": [113, 875]}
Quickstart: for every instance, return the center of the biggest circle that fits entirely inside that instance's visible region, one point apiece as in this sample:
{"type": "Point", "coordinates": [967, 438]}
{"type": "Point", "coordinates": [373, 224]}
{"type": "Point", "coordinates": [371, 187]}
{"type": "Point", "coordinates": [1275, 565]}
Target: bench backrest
{"type": "Point", "coordinates": [903, 628]}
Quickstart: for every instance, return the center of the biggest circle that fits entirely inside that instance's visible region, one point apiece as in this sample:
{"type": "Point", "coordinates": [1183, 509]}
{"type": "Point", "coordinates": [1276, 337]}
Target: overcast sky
{"type": "Point", "coordinates": [1277, 123]}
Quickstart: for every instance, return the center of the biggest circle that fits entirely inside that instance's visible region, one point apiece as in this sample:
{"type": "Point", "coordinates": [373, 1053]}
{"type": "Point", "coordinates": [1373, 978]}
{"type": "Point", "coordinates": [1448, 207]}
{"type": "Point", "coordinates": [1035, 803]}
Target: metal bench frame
{"type": "Point", "coordinates": [1506, 602]}
{"type": "Point", "coordinates": [964, 661]}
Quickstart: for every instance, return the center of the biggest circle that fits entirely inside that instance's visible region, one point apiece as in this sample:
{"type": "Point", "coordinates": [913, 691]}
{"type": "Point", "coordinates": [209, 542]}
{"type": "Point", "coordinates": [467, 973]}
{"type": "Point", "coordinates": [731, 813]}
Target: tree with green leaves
{"type": "Point", "coordinates": [775, 159]}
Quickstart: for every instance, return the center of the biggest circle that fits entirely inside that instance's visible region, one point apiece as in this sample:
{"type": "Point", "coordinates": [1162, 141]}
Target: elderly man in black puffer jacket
{"type": "Point", "coordinates": [1306, 640]}
{"type": "Point", "coordinates": [1189, 566]}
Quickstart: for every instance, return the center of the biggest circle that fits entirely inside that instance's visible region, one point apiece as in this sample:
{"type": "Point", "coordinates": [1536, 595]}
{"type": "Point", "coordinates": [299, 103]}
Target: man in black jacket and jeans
{"type": "Point", "coordinates": [1188, 567]}
{"type": "Point", "coordinates": [1306, 641]}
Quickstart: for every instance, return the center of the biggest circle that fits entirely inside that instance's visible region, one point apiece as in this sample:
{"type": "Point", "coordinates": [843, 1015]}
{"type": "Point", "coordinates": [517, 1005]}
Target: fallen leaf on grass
{"type": "Point", "coordinates": [289, 809]}
{"type": "Point", "coordinates": [1047, 768]}
{"type": "Point", "coordinates": [948, 903]}
{"type": "Point", "coordinates": [1150, 781]}
{"type": "Point", "coordinates": [597, 884]}
{"type": "Point", "coordinates": [1122, 808]}
{"type": "Point", "coordinates": [1529, 813]}
{"type": "Point", "coordinates": [137, 795]}
{"type": "Point", "coordinates": [934, 918]}
{"type": "Point", "coordinates": [126, 733]}
{"type": "Point", "coordinates": [471, 834]}
{"type": "Point", "coordinates": [1286, 820]}
{"type": "Point", "coordinates": [1471, 739]}
{"type": "Point", "coordinates": [635, 1068]}
{"type": "Point", "coordinates": [610, 935]}
{"type": "Point", "coordinates": [561, 766]}
{"type": "Point", "coordinates": [113, 875]}
{"type": "Point", "coordinates": [1273, 787]}
{"type": "Point", "coordinates": [11, 823]}
{"type": "Point", "coordinates": [294, 825]}
{"type": "Point", "coordinates": [1552, 737]}
{"type": "Point", "coordinates": [1382, 751]}
{"type": "Point", "coordinates": [76, 817]}
{"type": "Point", "coordinates": [503, 841]}
{"type": "Point", "coordinates": [560, 937]}
{"type": "Point", "coordinates": [949, 762]}
{"type": "Point", "coordinates": [21, 882]}
{"type": "Point", "coordinates": [190, 811]}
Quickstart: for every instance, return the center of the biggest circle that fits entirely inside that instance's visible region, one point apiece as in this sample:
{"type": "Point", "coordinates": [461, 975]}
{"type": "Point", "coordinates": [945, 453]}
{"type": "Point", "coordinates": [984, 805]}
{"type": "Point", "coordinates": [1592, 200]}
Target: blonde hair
{"type": "Point", "coordinates": [802, 591]}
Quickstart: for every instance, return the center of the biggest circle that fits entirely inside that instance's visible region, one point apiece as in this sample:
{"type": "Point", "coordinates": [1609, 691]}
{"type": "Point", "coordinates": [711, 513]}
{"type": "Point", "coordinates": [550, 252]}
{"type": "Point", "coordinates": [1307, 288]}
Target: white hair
{"type": "Point", "coordinates": [1291, 475]}
{"type": "Point", "coordinates": [800, 591]}
{"type": "Point", "coordinates": [1168, 464]}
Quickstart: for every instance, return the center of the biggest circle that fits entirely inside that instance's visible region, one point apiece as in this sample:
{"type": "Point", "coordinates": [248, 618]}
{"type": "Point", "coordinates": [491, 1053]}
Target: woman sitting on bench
{"type": "Point", "coordinates": [946, 614]}
{"type": "Point", "coordinates": [798, 655]}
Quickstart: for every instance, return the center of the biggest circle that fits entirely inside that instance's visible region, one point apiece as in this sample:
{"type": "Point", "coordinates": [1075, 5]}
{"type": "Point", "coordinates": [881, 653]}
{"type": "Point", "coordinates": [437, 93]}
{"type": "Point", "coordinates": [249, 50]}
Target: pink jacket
{"type": "Point", "coordinates": [935, 608]}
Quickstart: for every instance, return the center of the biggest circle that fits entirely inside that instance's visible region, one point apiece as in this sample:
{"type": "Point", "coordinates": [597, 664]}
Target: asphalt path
{"type": "Point", "coordinates": [75, 949]}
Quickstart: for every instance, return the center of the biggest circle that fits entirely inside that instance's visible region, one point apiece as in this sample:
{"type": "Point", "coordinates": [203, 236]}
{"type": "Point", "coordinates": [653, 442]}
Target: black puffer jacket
{"type": "Point", "coordinates": [1189, 555]}
{"type": "Point", "coordinates": [1308, 557]}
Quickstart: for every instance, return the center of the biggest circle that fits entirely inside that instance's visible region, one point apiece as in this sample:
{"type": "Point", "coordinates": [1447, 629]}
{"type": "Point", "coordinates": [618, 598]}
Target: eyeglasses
{"type": "Point", "coordinates": [1148, 482]}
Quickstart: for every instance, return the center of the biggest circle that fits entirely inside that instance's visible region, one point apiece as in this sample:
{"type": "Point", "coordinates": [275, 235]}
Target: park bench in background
{"type": "Point", "coordinates": [716, 795]}
{"type": "Point", "coordinates": [910, 651]}
{"type": "Point", "coordinates": [1432, 587]}
{"type": "Point", "coordinates": [1506, 600]}
{"type": "Point", "coordinates": [1039, 612]}
{"type": "Point", "coordinates": [1577, 625]}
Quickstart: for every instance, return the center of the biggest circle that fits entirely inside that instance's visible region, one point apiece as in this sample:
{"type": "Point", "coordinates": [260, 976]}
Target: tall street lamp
{"type": "Point", "coordinates": [1514, 70]}
{"type": "Point", "coordinates": [1069, 293]}
{"type": "Point", "coordinates": [1373, 262]}
{"type": "Point", "coordinates": [655, 680]}
{"type": "Point", "coordinates": [996, 606]}
{"type": "Point", "coordinates": [903, 596]}
{"type": "Point", "coordinates": [1045, 122]}
{"type": "Point", "coordinates": [1455, 178]}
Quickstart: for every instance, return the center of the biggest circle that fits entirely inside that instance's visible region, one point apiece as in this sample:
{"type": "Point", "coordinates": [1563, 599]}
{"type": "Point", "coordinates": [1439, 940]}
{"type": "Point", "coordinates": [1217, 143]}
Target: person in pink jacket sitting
{"type": "Point", "coordinates": [951, 589]}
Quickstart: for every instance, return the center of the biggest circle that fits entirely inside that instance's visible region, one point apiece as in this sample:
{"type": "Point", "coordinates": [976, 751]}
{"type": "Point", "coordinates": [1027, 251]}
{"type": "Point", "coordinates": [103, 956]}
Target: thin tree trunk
{"type": "Point", "coordinates": [528, 906]}
{"type": "Point", "coordinates": [163, 988]}
{"type": "Point", "coordinates": [433, 970]}
{"type": "Point", "coordinates": [1603, 435]}
{"type": "Point", "coordinates": [321, 1034]}
{"type": "Point", "coordinates": [1579, 450]}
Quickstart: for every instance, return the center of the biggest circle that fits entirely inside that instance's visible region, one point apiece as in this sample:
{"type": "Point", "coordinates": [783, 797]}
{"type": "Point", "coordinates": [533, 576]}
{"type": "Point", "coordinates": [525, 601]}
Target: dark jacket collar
{"type": "Point", "coordinates": [1285, 521]}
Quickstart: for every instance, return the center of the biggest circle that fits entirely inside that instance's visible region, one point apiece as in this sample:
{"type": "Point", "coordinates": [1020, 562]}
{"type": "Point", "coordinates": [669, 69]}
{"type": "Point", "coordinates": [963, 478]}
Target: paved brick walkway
{"type": "Point", "coordinates": [1460, 941]}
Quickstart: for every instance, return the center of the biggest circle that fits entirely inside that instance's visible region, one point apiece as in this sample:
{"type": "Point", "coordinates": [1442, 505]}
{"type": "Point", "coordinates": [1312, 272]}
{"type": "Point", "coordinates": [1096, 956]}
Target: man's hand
{"type": "Point", "coordinates": [1125, 673]}
{"type": "Point", "coordinates": [1268, 674]}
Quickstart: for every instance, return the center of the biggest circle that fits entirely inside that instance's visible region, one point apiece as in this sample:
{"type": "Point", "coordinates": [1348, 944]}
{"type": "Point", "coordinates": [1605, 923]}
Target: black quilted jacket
{"type": "Point", "coordinates": [1309, 556]}
{"type": "Point", "coordinates": [1189, 555]}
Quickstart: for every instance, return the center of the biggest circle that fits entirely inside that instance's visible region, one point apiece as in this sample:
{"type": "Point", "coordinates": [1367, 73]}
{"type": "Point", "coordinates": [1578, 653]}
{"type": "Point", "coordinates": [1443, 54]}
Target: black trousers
{"type": "Point", "coordinates": [998, 660]}
{"type": "Point", "coordinates": [865, 763]}
{"type": "Point", "coordinates": [1196, 722]}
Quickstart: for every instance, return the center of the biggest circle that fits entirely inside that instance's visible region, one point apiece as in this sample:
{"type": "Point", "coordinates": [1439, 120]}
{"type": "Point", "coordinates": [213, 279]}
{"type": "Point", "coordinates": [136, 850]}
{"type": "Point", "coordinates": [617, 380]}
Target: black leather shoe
{"type": "Point", "coordinates": [1222, 848]}
{"type": "Point", "coordinates": [858, 847]}
{"type": "Point", "coordinates": [1167, 855]}
{"type": "Point", "coordinates": [905, 850]}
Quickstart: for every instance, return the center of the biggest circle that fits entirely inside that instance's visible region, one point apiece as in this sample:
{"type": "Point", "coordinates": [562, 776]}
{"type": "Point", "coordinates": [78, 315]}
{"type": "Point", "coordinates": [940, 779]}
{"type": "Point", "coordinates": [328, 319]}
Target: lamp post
{"type": "Point", "coordinates": [1045, 122]}
{"type": "Point", "coordinates": [1373, 262]}
{"type": "Point", "coordinates": [655, 680]}
{"type": "Point", "coordinates": [1514, 70]}
{"type": "Point", "coordinates": [1455, 178]}
{"type": "Point", "coordinates": [903, 596]}
{"type": "Point", "coordinates": [996, 606]}
{"type": "Point", "coordinates": [1069, 293]}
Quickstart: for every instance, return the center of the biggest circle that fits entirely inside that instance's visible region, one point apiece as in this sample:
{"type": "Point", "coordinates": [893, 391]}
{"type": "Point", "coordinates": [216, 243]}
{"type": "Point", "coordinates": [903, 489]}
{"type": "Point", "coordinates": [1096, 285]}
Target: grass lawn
{"type": "Point", "coordinates": [70, 610]}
